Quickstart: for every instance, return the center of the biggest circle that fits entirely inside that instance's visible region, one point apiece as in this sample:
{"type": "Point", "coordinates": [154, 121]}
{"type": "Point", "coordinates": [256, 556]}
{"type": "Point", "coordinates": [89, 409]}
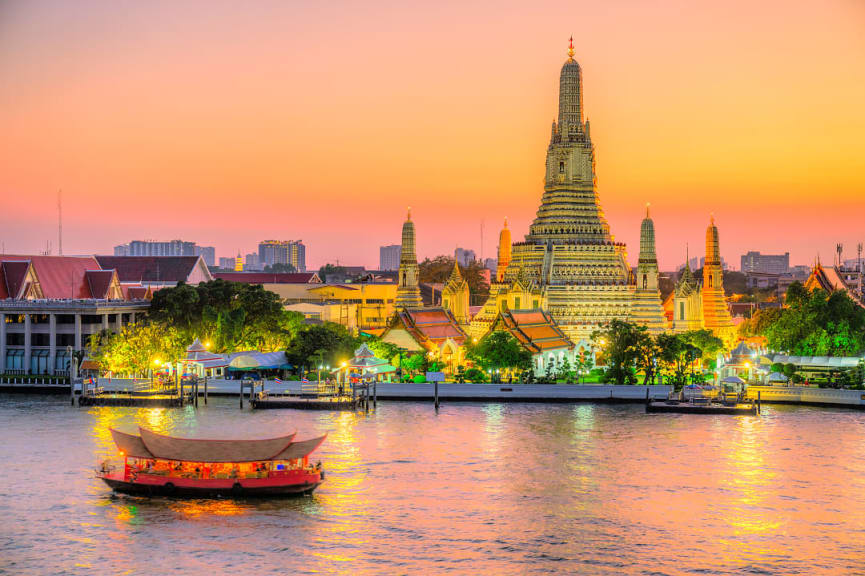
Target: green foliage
{"type": "Point", "coordinates": [321, 344]}
{"type": "Point", "coordinates": [499, 350]}
{"type": "Point", "coordinates": [815, 323]}
{"type": "Point", "coordinates": [280, 268]}
{"type": "Point", "coordinates": [232, 316]}
{"type": "Point", "coordinates": [419, 379]}
{"type": "Point", "coordinates": [475, 375]}
{"type": "Point", "coordinates": [137, 348]}
{"type": "Point", "coordinates": [623, 344]}
{"type": "Point", "coordinates": [677, 356]}
{"type": "Point", "coordinates": [383, 350]}
{"type": "Point", "coordinates": [327, 269]}
{"type": "Point", "coordinates": [706, 341]}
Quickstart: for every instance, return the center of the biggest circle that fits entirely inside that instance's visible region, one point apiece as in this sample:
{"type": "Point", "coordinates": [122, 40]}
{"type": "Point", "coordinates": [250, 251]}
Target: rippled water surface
{"type": "Point", "coordinates": [474, 489]}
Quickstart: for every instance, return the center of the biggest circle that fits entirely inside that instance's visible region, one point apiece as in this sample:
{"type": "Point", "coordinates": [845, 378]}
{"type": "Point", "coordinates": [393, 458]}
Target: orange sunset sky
{"type": "Point", "coordinates": [226, 123]}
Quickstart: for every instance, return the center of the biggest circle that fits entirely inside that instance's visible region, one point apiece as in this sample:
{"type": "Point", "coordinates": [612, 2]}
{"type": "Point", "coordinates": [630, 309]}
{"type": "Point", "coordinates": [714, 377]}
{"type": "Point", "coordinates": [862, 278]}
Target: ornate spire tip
{"type": "Point", "coordinates": [408, 217]}
{"type": "Point", "coordinates": [571, 48]}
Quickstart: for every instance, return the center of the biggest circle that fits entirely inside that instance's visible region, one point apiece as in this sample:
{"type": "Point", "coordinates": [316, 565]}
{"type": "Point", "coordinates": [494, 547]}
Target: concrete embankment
{"type": "Point", "coordinates": [808, 395]}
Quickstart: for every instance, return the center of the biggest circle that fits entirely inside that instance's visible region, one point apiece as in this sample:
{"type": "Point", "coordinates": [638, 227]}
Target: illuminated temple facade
{"type": "Point", "coordinates": [703, 305]}
{"type": "Point", "coordinates": [569, 263]}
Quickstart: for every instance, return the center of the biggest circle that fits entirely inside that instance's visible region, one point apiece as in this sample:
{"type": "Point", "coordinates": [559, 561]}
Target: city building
{"type": "Point", "coordinates": [169, 248]}
{"type": "Point", "coordinates": [408, 291]}
{"type": "Point", "coordinates": [226, 263]}
{"type": "Point", "coordinates": [207, 253]}
{"type": "Point", "coordinates": [251, 263]}
{"type": "Point", "coordinates": [491, 266]}
{"type": "Point", "coordinates": [337, 312]}
{"type": "Point", "coordinates": [388, 257]}
{"type": "Point", "coordinates": [52, 305]}
{"type": "Point", "coordinates": [269, 277]}
{"type": "Point", "coordinates": [465, 257]}
{"type": "Point", "coordinates": [765, 263]}
{"type": "Point", "coordinates": [568, 265]}
{"type": "Point", "coordinates": [292, 252]}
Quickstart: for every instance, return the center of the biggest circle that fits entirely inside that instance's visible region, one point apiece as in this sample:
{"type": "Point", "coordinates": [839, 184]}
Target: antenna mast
{"type": "Point", "coordinates": [60, 222]}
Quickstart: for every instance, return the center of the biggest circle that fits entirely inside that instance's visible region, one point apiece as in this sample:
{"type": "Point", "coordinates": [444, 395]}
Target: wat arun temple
{"type": "Point", "coordinates": [569, 267]}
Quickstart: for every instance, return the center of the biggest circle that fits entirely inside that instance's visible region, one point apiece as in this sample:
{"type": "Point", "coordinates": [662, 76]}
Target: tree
{"type": "Point", "coordinates": [500, 351]}
{"type": "Point", "coordinates": [706, 341]}
{"type": "Point", "coordinates": [620, 342]}
{"type": "Point", "coordinates": [331, 269]}
{"type": "Point", "coordinates": [136, 349]}
{"type": "Point", "coordinates": [280, 268]}
{"type": "Point", "coordinates": [677, 357]}
{"type": "Point", "coordinates": [438, 270]}
{"type": "Point", "coordinates": [326, 343]}
{"type": "Point", "coordinates": [647, 351]}
{"type": "Point", "coordinates": [584, 362]}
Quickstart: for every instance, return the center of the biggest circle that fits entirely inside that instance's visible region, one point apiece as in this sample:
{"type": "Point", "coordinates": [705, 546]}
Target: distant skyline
{"type": "Point", "coordinates": [226, 124]}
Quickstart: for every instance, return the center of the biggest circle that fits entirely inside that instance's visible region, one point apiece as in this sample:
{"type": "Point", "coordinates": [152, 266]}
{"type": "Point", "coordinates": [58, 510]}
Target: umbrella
{"type": "Point", "coordinates": [733, 380]}
{"type": "Point", "coordinates": [776, 377]}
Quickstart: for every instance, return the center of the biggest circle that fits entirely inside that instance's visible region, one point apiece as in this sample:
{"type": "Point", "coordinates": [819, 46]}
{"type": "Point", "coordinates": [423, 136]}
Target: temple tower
{"type": "Point", "coordinates": [455, 296]}
{"type": "Point", "coordinates": [408, 291]}
{"type": "Point", "coordinates": [569, 253]}
{"type": "Point", "coordinates": [504, 252]}
{"type": "Point", "coordinates": [687, 301]}
{"type": "Point", "coordinates": [716, 314]}
{"type": "Point", "coordinates": [647, 308]}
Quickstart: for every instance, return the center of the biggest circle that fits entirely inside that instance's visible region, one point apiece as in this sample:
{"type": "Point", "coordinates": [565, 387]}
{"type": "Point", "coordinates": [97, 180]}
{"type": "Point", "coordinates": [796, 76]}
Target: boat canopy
{"type": "Point", "coordinates": [152, 445]}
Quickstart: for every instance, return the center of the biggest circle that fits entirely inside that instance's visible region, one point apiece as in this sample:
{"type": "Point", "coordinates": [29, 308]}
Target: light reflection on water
{"type": "Point", "coordinates": [495, 488]}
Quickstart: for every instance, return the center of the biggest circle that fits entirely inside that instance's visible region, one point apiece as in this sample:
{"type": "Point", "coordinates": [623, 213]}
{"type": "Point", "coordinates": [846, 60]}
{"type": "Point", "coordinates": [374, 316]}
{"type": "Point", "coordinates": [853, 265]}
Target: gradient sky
{"type": "Point", "coordinates": [230, 122]}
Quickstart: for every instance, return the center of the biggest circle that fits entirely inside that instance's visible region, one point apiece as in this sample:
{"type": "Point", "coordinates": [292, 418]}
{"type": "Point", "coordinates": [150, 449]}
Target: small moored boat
{"type": "Point", "coordinates": [155, 464]}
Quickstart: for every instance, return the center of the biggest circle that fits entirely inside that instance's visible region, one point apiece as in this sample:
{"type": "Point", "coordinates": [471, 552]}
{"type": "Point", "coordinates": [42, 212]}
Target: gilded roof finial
{"type": "Point", "coordinates": [506, 222]}
{"type": "Point", "coordinates": [712, 218]}
{"type": "Point", "coordinates": [647, 208]}
{"type": "Point", "coordinates": [571, 49]}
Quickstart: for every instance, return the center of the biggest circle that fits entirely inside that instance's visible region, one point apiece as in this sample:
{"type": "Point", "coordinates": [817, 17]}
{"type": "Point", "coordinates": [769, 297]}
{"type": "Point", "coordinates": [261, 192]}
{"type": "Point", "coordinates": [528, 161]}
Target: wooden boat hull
{"type": "Point", "coordinates": [687, 408]}
{"type": "Point", "coordinates": [232, 488]}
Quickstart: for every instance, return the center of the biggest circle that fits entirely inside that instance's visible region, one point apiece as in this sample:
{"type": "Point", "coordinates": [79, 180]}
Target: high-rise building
{"type": "Point", "coordinates": [766, 263]}
{"type": "Point", "coordinates": [388, 257]}
{"type": "Point", "coordinates": [465, 256]}
{"type": "Point", "coordinates": [170, 248]}
{"type": "Point", "coordinates": [292, 252]}
{"type": "Point", "coordinates": [207, 253]}
{"type": "Point", "coordinates": [251, 263]}
{"type": "Point", "coordinates": [226, 263]}
{"type": "Point", "coordinates": [408, 289]}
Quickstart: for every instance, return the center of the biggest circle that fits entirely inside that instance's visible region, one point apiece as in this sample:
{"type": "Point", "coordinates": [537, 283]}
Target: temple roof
{"type": "Point", "coordinates": [830, 280]}
{"type": "Point", "coordinates": [429, 326]}
{"type": "Point", "coordinates": [170, 269]}
{"type": "Point", "coordinates": [534, 329]}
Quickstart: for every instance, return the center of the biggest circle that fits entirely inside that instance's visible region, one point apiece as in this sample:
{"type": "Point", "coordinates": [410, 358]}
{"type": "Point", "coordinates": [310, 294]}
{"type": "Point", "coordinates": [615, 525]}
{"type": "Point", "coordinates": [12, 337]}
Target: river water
{"type": "Point", "coordinates": [474, 489]}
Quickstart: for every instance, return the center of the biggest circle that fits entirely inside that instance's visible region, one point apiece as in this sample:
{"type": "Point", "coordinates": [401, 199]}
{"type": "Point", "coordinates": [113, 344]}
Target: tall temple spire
{"type": "Point", "coordinates": [504, 252]}
{"type": "Point", "coordinates": [646, 308]}
{"type": "Point", "coordinates": [408, 290]}
{"type": "Point", "coordinates": [571, 95]}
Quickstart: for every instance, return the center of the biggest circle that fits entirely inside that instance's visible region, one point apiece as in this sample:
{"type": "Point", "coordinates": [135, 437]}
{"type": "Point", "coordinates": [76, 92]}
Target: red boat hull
{"type": "Point", "coordinates": [147, 485]}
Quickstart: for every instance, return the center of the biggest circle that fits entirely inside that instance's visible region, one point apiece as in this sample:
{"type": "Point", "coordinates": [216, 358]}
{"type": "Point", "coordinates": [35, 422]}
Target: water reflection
{"type": "Point", "coordinates": [474, 488]}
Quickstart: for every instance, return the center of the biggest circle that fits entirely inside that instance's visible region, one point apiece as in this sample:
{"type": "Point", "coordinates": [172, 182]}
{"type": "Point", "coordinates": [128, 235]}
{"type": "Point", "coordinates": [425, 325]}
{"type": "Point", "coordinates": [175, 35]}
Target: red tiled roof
{"type": "Point", "coordinates": [99, 282]}
{"type": "Point", "coordinates": [150, 268]}
{"type": "Point", "coordinates": [136, 292]}
{"type": "Point", "coordinates": [61, 276]}
{"type": "Point", "coordinates": [14, 273]}
{"type": "Point", "coordinates": [269, 278]}
{"type": "Point", "coordinates": [534, 329]}
{"type": "Point", "coordinates": [432, 325]}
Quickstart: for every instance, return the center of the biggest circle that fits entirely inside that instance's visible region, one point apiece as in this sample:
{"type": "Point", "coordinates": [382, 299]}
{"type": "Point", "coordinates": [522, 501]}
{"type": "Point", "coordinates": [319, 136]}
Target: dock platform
{"type": "Point", "coordinates": [135, 400]}
{"type": "Point", "coordinates": [677, 407]}
{"type": "Point", "coordinates": [305, 402]}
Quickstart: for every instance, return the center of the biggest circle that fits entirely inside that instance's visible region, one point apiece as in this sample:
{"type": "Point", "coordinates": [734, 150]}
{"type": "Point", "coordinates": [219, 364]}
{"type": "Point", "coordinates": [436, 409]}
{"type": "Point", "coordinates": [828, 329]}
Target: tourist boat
{"type": "Point", "coordinates": [155, 464]}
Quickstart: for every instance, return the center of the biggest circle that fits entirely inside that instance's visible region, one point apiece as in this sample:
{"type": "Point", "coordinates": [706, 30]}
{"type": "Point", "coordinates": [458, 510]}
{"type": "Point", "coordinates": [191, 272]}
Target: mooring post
{"type": "Point", "coordinates": [436, 394]}
{"type": "Point", "coordinates": [353, 396]}
{"type": "Point", "coordinates": [759, 408]}
{"type": "Point", "coordinates": [205, 390]}
{"type": "Point", "coordinates": [241, 394]}
{"type": "Point", "coordinates": [375, 394]}
{"type": "Point", "coordinates": [196, 391]}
